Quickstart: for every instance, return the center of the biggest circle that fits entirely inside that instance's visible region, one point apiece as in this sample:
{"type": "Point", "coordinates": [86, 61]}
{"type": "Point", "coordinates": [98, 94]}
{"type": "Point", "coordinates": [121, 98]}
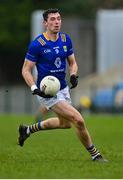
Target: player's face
{"type": "Point", "coordinates": [53, 23]}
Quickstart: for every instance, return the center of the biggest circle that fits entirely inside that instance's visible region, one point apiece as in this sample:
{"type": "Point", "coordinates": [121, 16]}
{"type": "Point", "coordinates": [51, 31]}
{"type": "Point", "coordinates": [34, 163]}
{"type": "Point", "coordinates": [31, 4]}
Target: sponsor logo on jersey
{"type": "Point", "coordinates": [57, 70]}
{"type": "Point", "coordinates": [47, 51]}
{"type": "Point", "coordinates": [56, 47]}
{"type": "Point", "coordinates": [57, 62]}
{"type": "Point", "coordinates": [65, 48]}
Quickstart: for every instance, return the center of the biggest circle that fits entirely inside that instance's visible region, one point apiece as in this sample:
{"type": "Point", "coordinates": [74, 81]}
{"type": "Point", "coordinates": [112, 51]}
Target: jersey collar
{"type": "Point", "coordinates": [47, 38]}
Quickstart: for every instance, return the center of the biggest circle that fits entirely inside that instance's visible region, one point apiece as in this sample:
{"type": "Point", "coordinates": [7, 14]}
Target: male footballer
{"type": "Point", "coordinates": [50, 52]}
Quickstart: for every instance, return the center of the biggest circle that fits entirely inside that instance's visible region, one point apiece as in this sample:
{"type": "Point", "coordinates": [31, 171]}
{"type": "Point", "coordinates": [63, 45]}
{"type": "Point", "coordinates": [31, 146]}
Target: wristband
{"type": "Point", "coordinates": [33, 87]}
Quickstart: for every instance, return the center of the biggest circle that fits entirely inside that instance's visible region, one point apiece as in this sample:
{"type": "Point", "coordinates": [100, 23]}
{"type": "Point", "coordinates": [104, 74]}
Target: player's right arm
{"type": "Point", "coordinates": [27, 72]}
{"type": "Point", "coordinates": [29, 63]}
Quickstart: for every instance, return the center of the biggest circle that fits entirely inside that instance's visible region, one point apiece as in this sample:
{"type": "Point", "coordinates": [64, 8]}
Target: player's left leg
{"type": "Point", "coordinates": [72, 115]}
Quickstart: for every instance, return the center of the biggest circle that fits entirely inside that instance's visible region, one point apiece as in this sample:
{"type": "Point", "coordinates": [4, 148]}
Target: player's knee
{"type": "Point", "coordinates": [79, 122]}
{"type": "Point", "coordinates": [77, 119]}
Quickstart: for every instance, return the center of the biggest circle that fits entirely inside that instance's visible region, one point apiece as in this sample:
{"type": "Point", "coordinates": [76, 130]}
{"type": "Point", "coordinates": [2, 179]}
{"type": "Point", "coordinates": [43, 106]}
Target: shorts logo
{"type": "Point", "coordinates": [65, 48]}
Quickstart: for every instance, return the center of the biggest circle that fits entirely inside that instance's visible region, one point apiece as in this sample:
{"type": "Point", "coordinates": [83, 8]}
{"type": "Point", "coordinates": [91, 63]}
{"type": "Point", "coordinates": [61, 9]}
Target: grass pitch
{"type": "Point", "coordinates": [58, 154]}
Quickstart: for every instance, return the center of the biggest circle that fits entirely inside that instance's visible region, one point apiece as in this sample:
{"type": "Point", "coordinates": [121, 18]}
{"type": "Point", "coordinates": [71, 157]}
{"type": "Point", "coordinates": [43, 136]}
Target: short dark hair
{"type": "Point", "coordinates": [48, 11]}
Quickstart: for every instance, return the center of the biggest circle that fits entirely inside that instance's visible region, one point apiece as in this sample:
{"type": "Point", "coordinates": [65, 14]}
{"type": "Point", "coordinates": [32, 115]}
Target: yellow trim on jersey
{"type": "Point", "coordinates": [63, 37]}
{"type": "Point", "coordinates": [42, 42]}
{"type": "Point", "coordinates": [46, 36]}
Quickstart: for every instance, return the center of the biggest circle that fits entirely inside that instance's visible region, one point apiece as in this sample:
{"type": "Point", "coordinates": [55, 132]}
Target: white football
{"type": "Point", "coordinates": [50, 85]}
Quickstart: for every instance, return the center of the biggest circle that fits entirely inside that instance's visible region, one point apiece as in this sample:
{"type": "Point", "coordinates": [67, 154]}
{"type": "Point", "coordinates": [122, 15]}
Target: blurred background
{"type": "Point", "coordinates": [96, 29]}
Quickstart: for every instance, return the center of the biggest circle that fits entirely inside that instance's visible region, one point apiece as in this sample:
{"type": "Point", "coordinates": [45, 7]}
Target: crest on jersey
{"type": "Point", "coordinates": [65, 48]}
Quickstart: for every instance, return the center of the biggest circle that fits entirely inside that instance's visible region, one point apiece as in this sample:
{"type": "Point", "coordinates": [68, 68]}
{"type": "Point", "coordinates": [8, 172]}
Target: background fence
{"type": "Point", "coordinates": [17, 99]}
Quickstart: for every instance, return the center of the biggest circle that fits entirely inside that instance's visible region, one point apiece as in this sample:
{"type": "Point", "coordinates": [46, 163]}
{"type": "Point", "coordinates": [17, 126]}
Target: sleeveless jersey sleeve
{"type": "Point", "coordinates": [33, 51]}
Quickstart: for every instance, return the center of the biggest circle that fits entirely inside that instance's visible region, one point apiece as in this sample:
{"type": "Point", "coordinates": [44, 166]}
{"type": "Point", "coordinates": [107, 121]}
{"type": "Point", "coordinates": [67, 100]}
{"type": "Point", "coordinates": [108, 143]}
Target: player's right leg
{"type": "Point", "coordinates": [48, 124]}
{"type": "Point", "coordinates": [40, 114]}
{"type": "Point", "coordinates": [55, 123]}
{"type": "Point", "coordinates": [23, 135]}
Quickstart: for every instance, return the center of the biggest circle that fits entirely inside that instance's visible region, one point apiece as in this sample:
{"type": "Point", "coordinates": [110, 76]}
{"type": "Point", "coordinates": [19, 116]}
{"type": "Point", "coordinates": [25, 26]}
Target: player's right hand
{"type": "Point", "coordinates": [41, 93]}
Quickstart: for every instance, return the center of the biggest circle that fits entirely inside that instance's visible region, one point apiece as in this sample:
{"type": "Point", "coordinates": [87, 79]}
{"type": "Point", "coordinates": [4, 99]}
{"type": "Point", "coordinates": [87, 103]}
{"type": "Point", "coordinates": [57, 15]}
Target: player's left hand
{"type": "Point", "coordinates": [73, 81]}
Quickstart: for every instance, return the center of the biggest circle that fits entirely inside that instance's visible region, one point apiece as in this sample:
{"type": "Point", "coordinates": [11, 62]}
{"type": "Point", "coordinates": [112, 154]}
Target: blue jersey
{"type": "Point", "coordinates": [50, 56]}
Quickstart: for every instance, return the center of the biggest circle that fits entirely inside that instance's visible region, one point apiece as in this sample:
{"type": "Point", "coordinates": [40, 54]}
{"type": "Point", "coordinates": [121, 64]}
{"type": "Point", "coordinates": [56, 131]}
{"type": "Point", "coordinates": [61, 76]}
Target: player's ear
{"type": "Point", "coordinates": [45, 23]}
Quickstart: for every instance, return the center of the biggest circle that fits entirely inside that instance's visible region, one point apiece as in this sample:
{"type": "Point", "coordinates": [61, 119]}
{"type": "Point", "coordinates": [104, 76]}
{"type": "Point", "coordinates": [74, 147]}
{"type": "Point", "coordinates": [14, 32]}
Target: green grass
{"type": "Point", "coordinates": [58, 154]}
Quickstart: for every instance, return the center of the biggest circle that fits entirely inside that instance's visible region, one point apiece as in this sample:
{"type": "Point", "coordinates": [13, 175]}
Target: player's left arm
{"type": "Point", "coordinates": [73, 69]}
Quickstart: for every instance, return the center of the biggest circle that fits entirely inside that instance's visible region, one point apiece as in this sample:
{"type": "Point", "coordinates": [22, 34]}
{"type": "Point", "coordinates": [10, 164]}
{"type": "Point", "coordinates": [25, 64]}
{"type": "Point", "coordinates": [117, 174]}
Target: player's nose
{"type": "Point", "coordinates": [57, 21]}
